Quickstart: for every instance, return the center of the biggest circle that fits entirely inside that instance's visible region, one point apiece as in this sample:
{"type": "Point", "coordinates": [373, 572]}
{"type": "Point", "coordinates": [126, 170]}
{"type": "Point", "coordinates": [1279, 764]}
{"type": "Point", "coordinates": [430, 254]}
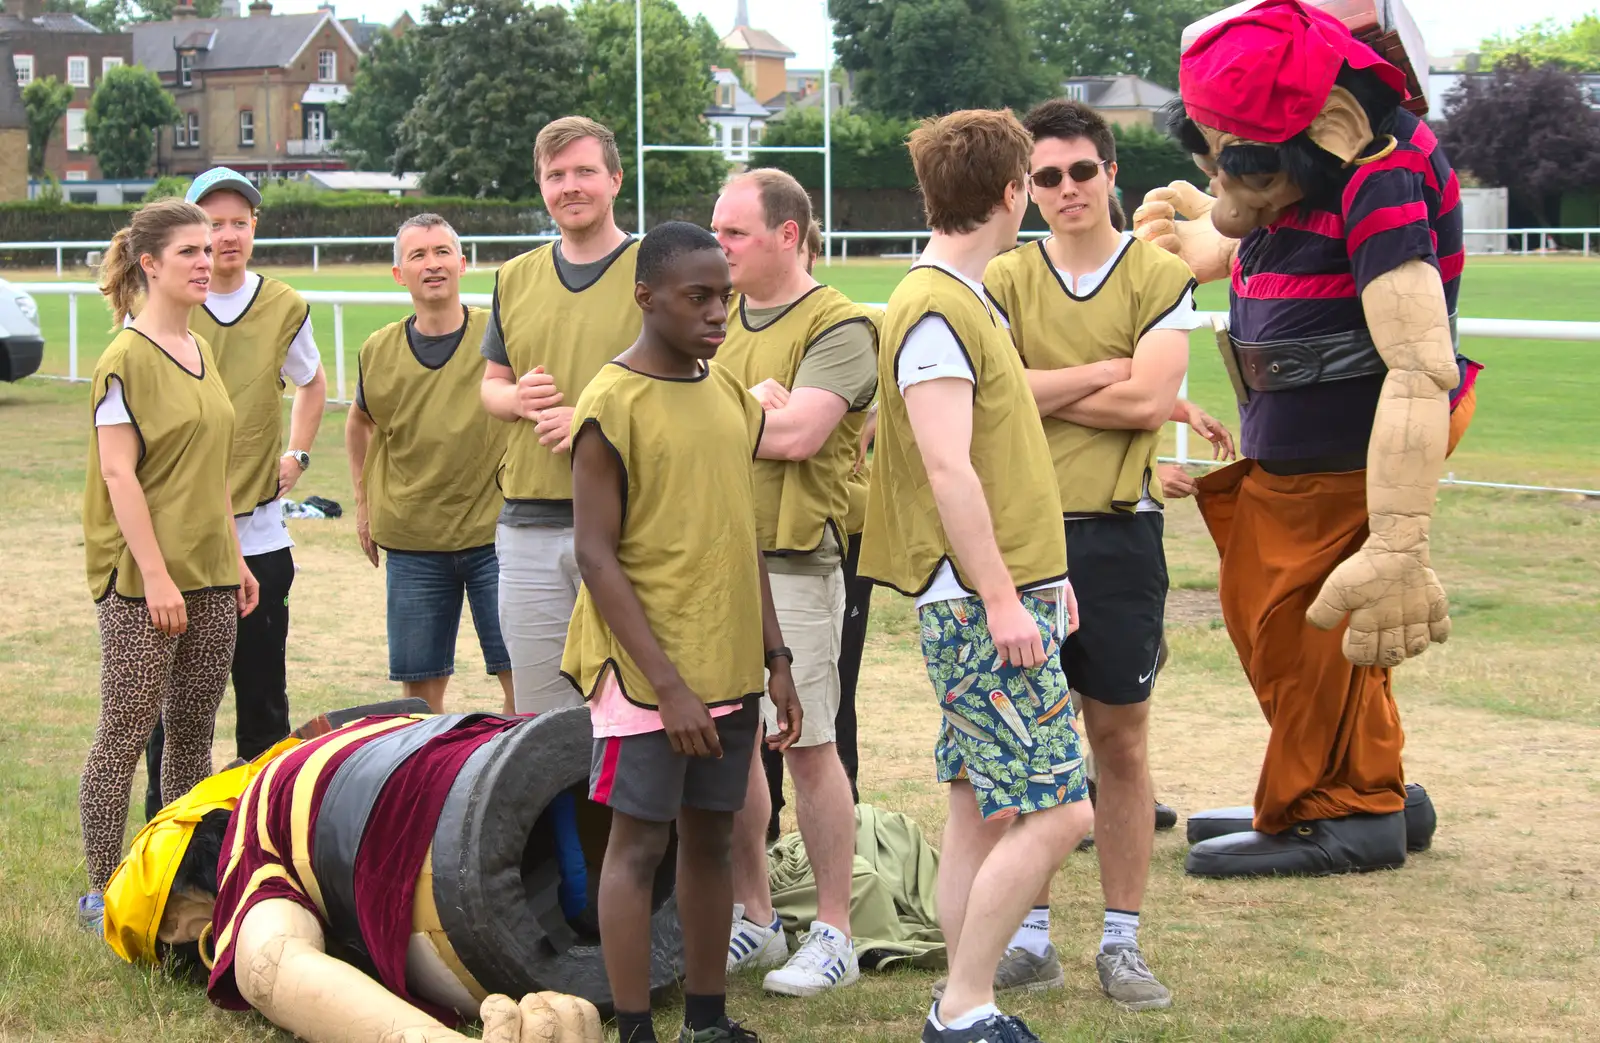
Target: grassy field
{"type": "Point", "coordinates": [1492, 935]}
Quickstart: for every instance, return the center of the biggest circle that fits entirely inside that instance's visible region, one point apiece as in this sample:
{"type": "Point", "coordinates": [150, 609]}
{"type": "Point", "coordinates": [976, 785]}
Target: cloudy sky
{"type": "Point", "coordinates": [1447, 25]}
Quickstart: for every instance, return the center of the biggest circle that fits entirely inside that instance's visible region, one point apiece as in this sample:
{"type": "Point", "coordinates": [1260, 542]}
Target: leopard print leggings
{"type": "Point", "coordinates": [144, 674]}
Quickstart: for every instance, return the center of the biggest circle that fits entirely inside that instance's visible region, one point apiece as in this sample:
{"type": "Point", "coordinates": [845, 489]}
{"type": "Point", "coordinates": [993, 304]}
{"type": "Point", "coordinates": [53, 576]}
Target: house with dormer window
{"type": "Point", "coordinates": [258, 93]}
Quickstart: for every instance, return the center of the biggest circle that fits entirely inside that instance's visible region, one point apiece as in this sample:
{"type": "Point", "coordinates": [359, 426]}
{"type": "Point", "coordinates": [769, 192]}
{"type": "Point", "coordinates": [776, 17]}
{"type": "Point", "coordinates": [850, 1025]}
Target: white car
{"type": "Point", "coordinates": [21, 345]}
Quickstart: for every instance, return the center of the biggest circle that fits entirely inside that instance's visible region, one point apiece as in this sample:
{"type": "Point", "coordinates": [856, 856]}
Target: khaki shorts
{"type": "Point", "coordinates": [811, 616]}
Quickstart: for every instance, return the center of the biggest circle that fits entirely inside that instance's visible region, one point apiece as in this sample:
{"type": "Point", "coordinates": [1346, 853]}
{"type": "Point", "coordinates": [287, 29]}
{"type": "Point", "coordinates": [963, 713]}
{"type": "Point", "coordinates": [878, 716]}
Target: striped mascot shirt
{"type": "Point", "coordinates": [1303, 277]}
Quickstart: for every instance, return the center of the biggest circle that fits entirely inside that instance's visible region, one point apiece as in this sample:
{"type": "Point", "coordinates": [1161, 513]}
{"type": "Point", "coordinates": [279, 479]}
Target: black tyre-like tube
{"type": "Point", "coordinates": [497, 892]}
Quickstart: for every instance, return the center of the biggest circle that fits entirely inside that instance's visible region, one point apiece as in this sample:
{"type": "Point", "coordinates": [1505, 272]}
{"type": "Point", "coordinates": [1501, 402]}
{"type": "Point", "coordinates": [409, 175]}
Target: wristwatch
{"type": "Point", "coordinates": [781, 652]}
{"type": "Point", "coordinates": [301, 457]}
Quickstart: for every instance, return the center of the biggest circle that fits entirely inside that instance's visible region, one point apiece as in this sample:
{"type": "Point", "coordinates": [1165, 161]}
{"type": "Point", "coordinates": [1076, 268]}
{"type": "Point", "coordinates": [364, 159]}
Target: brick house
{"type": "Point", "coordinates": [257, 93]}
{"type": "Point", "coordinates": [13, 137]}
{"type": "Point", "coordinates": [48, 43]}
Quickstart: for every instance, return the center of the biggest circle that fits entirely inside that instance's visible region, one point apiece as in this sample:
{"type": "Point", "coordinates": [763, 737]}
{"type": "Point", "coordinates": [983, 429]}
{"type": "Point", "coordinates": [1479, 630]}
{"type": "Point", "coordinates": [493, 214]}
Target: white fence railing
{"type": "Point", "coordinates": [1514, 329]}
{"type": "Point", "coordinates": [913, 239]}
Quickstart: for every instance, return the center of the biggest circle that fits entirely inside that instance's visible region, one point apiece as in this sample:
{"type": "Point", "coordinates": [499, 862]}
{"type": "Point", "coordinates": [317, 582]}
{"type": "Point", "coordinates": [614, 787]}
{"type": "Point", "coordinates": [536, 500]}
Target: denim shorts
{"type": "Point", "coordinates": [425, 591]}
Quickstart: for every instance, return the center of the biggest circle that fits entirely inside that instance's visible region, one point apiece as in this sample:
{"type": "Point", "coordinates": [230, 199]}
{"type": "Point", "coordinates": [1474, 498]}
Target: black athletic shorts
{"type": "Point", "coordinates": [1118, 570]}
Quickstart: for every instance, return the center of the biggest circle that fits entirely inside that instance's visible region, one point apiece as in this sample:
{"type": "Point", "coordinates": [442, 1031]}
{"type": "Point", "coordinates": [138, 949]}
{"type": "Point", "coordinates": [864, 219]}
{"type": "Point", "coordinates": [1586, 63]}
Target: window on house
{"type": "Point", "coordinates": [725, 95]}
{"type": "Point", "coordinates": [24, 66]}
{"type": "Point", "coordinates": [757, 132]}
{"type": "Point", "coordinates": [78, 70]}
{"type": "Point", "coordinates": [193, 122]}
{"type": "Point", "coordinates": [736, 138]}
{"type": "Point", "coordinates": [90, 197]}
{"type": "Point", "coordinates": [107, 64]}
{"type": "Point", "coordinates": [76, 175]}
{"type": "Point", "coordinates": [327, 66]}
{"type": "Point", "coordinates": [1073, 91]}
{"type": "Point", "coordinates": [316, 125]}
{"type": "Point", "coordinates": [77, 130]}
{"type": "Point", "coordinates": [247, 127]}
{"type": "Point", "coordinates": [185, 69]}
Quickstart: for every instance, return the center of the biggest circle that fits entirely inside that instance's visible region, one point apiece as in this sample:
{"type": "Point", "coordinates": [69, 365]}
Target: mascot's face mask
{"type": "Point", "coordinates": [1246, 201]}
{"type": "Point", "coordinates": [1262, 85]}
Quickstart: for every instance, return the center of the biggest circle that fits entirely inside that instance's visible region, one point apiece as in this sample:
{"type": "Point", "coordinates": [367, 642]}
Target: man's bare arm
{"type": "Point", "coordinates": [798, 429]}
{"type": "Point", "coordinates": [1147, 398]}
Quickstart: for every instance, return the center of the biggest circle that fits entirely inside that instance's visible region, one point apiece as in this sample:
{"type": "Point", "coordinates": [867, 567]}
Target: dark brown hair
{"type": "Point", "coordinates": [1066, 119]}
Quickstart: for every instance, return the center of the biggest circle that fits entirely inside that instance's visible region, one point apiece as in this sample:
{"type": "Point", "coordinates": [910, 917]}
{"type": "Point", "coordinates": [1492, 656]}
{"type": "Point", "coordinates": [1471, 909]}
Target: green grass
{"type": "Point", "coordinates": [1489, 936]}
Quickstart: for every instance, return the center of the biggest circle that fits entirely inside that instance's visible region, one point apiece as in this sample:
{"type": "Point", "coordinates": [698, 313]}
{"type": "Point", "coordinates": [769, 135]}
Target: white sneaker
{"type": "Point", "coordinates": [752, 946]}
{"type": "Point", "coordinates": [827, 960]}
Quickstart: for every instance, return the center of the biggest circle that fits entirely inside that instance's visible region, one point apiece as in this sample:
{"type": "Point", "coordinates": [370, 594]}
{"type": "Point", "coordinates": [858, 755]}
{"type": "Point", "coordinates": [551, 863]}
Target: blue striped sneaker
{"type": "Point", "coordinates": [827, 960]}
{"type": "Point", "coordinates": [754, 947]}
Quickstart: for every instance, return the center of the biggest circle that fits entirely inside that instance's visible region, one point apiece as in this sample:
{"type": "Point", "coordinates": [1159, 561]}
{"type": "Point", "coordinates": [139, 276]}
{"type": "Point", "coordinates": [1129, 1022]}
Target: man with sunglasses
{"type": "Point", "coordinates": [1101, 321]}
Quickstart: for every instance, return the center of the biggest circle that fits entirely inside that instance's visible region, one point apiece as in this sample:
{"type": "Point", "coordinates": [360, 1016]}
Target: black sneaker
{"type": "Point", "coordinates": [727, 1032]}
{"type": "Point", "coordinates": [996, 1028]}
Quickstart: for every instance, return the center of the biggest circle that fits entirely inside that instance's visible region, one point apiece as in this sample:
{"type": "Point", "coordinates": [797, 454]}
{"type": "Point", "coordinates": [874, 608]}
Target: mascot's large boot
{"type": "Point", "coordinates": [1220, 822]}
{"type": "Point", "coordinates": [1324, 847]}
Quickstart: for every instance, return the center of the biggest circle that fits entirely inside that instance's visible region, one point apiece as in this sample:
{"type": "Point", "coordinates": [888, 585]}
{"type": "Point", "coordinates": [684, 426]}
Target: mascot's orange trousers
{"type": "Point", "coordinates": [1335, 738]}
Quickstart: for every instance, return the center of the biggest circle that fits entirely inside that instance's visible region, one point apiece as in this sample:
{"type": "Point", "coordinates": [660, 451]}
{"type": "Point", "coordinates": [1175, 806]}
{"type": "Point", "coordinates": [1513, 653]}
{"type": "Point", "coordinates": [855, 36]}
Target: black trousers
{"type": "Point", "coordinates": [260, 684]}
{"type": "Point", "coordinates": [853, 637]}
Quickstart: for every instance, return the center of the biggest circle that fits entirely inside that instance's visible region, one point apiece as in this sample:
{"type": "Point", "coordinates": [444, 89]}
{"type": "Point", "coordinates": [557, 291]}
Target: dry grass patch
{"type": "Point", "coordinates": [1490, 936]}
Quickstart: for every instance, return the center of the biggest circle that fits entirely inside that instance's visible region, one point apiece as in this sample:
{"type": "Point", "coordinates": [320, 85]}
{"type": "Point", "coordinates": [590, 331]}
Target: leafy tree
{"type": "Point", "coordinates": [161, 10]}
{"type": "Point", "coordinates": [869, 150]}
{"type": "Point", "coordinates": [678, 88]}
{"type": "Point", "coordinates": [1146, 159]}
{"type": "Point", "coordinates": [1528, 128]}
{"type": "Point", "coordinates": [928, 57]}
{"type": "Point", "coordinates": [46, 100]}
{"type": "Point", "coordinates": [168, 187]}
{"type": "Point", "coordinates": [1575, 46]}
{"type": "Point", "coordinates": [104, 15]}
{"type": "Point", "coordinates": [499, 71]}
{"type": "Point", "coordinates": [1095, 38]}
{"type": "Point", "coordinates": [127, 112]}
{"type": "Point", "coordinates": [389, 80]}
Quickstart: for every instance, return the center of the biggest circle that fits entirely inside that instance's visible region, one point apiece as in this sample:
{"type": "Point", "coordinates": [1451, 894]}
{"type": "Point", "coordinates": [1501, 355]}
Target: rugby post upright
{"type": "Point", "coordinates": [826, 148]}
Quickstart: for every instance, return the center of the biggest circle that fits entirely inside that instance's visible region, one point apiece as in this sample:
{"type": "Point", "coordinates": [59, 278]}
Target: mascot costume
{"type": "Point", "coordinates": [1337, 221]}
{"type": "Point", "coordinates": [381, 876]}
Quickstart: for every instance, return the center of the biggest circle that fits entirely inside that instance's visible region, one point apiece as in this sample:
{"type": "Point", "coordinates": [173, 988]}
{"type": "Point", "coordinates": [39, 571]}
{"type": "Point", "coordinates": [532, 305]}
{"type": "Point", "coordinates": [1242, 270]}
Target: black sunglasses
{"type": "Point", "coordinates": [1081, 171]}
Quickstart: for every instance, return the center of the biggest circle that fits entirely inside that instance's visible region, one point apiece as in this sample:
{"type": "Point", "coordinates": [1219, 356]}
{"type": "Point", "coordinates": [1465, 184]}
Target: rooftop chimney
{"type": "Point", "coordinates": [27, 10]}
{"type": "Point", "coordinates": [325, 7]}
{"type": "Point", "coordinates": [742, 16]}
{"type": "Point", "coordinates": [261, 9]}
{"type": "Point", "coordinates": [184, 9]}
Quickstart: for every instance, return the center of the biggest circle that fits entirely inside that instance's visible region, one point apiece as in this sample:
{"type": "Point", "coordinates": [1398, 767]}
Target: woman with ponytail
{"type": "Point", "coordinates": [161, 551]}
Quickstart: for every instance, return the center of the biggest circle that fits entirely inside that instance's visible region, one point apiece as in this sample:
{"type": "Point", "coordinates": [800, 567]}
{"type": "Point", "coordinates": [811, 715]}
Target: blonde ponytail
{"type": "Point", "coordinates": [122, 278]}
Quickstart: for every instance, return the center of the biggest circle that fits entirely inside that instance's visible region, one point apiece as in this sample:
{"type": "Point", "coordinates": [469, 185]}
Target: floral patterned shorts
{"type": "Point", "coordinates": [1010, 732]}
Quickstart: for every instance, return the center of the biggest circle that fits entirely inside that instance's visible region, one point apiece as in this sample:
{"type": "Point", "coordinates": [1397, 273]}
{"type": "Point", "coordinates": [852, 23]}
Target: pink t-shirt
{"type": "Point", "coordinates": [612, 714]}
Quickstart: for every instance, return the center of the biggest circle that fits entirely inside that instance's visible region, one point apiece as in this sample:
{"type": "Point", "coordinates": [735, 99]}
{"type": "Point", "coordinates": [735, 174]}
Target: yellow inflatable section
{"type": "Point", "coordinates": [137, 895]}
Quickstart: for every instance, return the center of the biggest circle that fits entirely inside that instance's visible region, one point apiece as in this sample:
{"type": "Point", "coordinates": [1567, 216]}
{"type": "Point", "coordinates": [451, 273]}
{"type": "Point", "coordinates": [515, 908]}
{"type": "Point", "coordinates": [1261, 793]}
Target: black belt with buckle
{"type": "Point", "coordinates": [1280, 365]}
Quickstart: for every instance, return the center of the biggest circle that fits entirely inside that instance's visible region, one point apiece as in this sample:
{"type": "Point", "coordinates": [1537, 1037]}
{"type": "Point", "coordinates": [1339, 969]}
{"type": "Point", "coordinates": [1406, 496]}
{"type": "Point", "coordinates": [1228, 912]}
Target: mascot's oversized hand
{"type": "Point", "coordinates": [1397, 605]}
{"type": "Point", "coordinates": [1207, 252]}
{"type": "Point", "coordinates": [545, 1017]}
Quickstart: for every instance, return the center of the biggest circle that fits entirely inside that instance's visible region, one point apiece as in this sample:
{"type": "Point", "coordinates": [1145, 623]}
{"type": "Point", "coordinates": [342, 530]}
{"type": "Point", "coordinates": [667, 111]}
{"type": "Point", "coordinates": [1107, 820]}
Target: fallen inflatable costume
{"type": "Point", "coordinates": [384, 879]}
{"type": "Point", "coordinates": [1336, 218]}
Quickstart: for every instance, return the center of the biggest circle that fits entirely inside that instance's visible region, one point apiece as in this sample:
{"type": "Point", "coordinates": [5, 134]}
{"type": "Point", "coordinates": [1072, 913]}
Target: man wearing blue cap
{"type": "Point", "coordinates": [259, 330]}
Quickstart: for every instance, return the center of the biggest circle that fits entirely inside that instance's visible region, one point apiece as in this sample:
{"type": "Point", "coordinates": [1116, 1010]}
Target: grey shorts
{"type": "Point", "coordinates": [641, 775]}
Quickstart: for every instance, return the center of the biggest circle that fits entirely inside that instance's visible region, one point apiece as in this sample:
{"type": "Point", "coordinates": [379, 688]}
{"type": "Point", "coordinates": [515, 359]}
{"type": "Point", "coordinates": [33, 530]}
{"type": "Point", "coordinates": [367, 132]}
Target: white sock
{"type": "Point", "coordinates": [965, 1021]}
{"type": "Point", "coordinates": [1034, 934]}
{"type": "Point", "coordinates": [1121, 928]}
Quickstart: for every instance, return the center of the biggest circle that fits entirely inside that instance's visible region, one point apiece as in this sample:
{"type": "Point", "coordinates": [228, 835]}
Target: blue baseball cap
{"type": "Point", "coordinates": [219, 179]}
